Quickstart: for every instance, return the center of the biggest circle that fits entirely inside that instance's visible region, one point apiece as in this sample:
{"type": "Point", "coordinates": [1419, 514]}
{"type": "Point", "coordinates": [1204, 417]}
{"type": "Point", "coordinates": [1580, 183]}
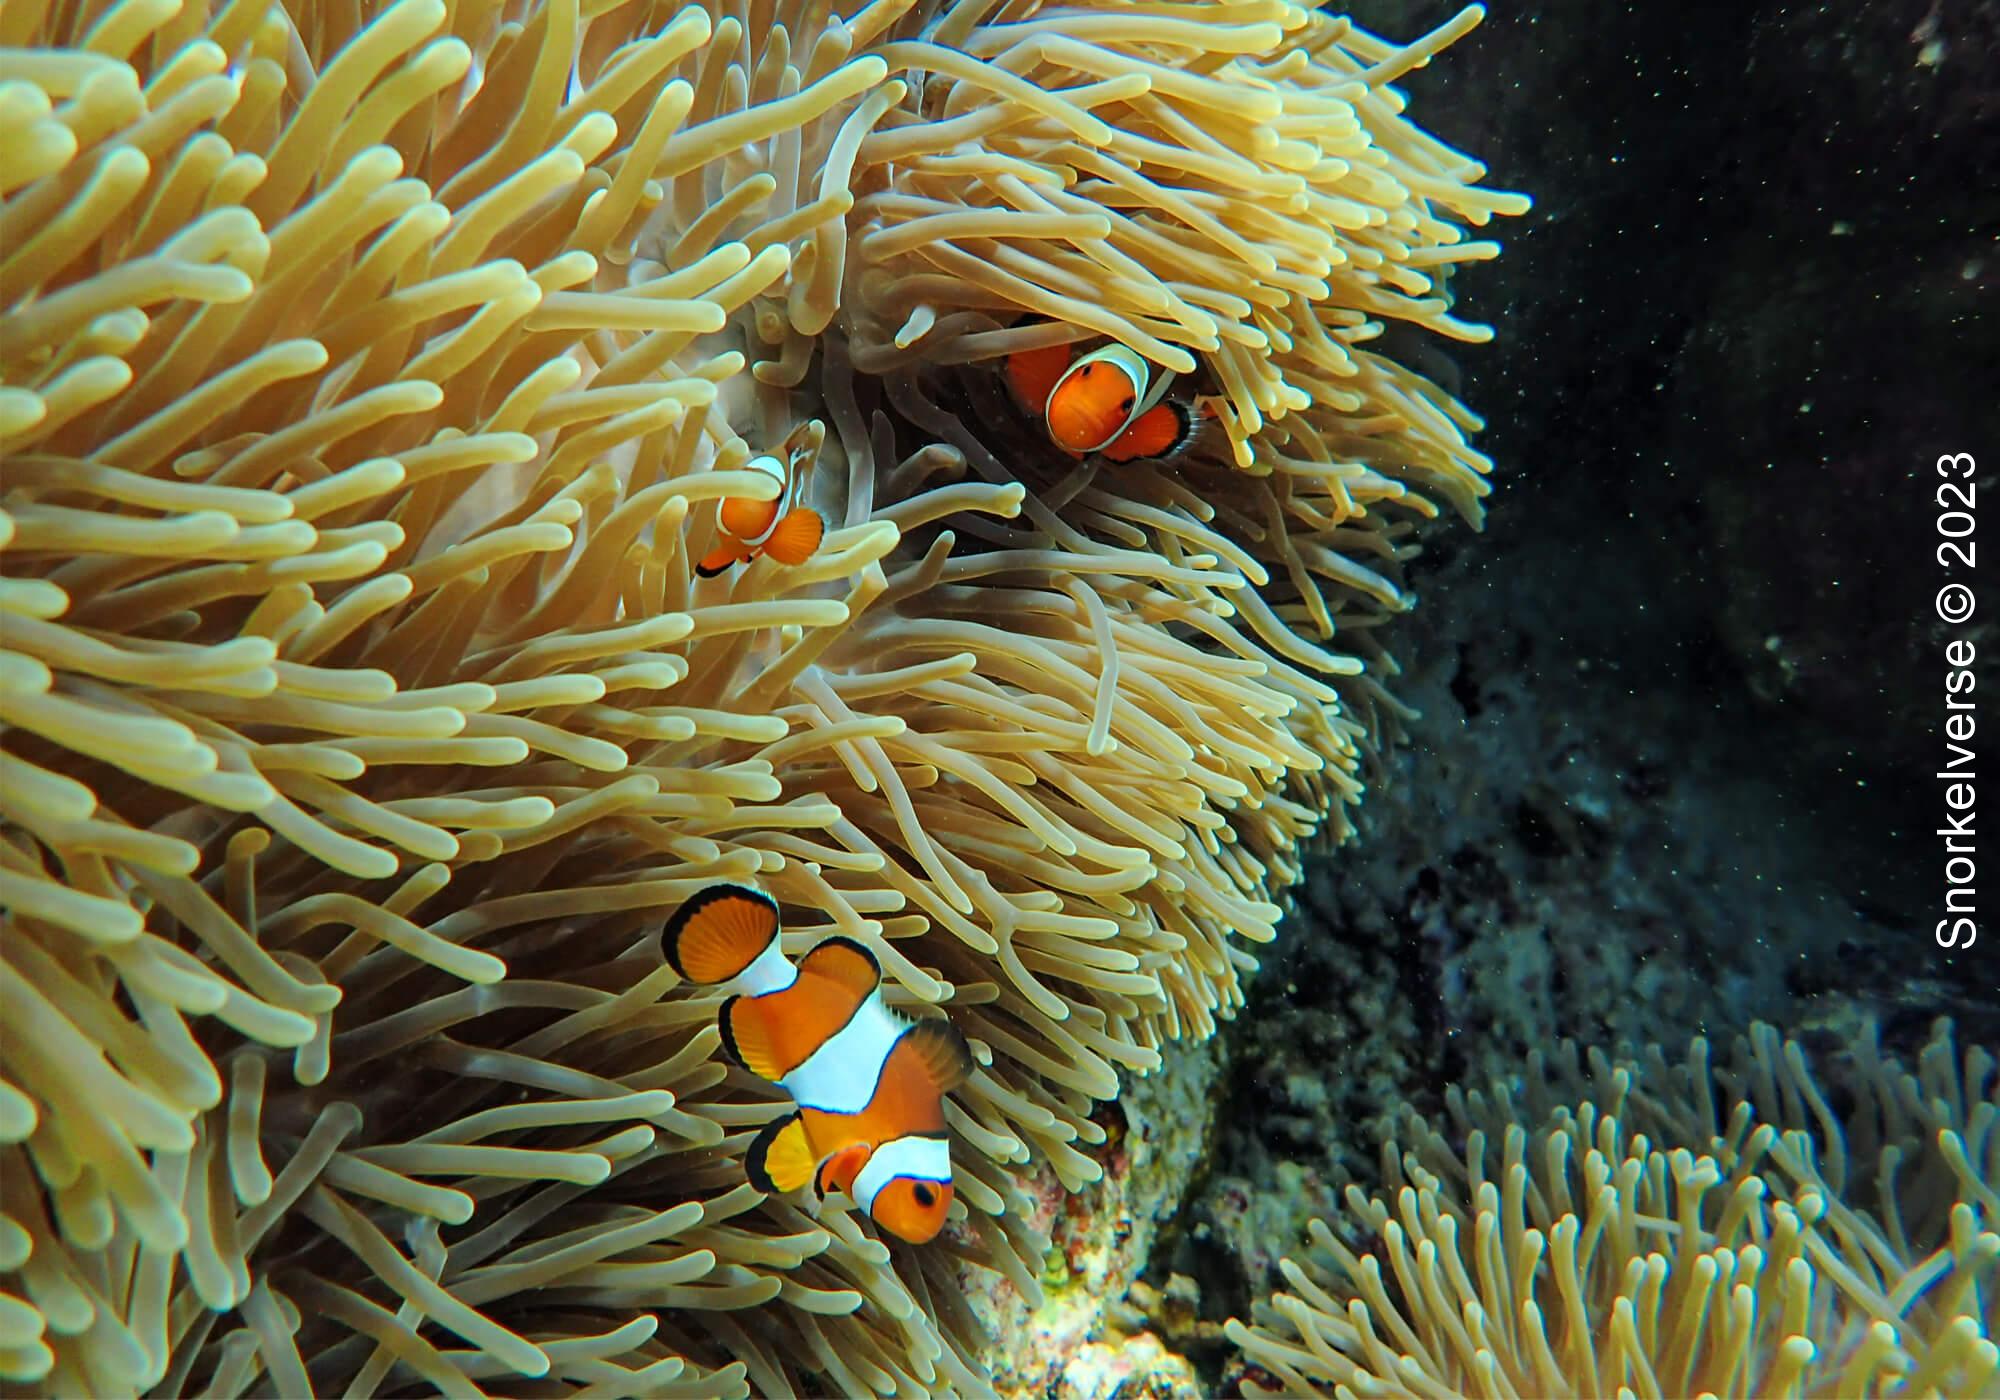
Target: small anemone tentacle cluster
{"type": "Point", "coordinates": [370, 375]}
{"type": "Point", "coordinates": [1682, 1230]}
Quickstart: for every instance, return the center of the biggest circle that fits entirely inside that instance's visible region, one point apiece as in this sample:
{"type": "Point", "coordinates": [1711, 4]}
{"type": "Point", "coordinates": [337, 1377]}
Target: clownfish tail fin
{"type": "Point", "coordinates": [780, 1159]}
{"type": "Point", "coordinates": [941, 1049]}
{"type": "Point", "coordinates": [796, 537]}
{"type": "Point", "coordinates": [719, 932]}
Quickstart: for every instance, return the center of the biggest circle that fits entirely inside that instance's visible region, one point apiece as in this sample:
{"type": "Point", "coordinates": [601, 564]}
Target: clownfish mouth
{"type": "Point", "coordinates": [1111, 402]}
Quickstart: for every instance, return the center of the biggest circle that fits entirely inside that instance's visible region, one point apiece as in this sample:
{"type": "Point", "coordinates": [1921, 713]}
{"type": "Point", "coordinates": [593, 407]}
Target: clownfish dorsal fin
{"type": "Point", "coordinates": [719, 932]}
{"type": "Point", "coordinates": [746, 1026]}
{"type": "Point", "coordinates": [780, 1158]}
{"type": "Point", "coordinates": [844, 962]}
{"type": "Point", "coordinates": [940, 1048]}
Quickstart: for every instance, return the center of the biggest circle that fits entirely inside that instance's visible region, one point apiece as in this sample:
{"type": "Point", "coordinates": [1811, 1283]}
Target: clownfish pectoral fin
{"type": "Point", "coordinates": [1163, 430]}
{"type": "Point", "coordinates": [796, 537]}
{"type": "Point", "coordinates": [780, 1159]}
{"type": "Point", "coordinates": [720, 559]}
{"type": "Point", "coordinates": [719, 932]}
{"type": "Point", "coordinates": [941, 1049]}
{"type": "Point", "coordinates": [1032, 374]}
{"type": "Point", "coordinates": [838, 1171]}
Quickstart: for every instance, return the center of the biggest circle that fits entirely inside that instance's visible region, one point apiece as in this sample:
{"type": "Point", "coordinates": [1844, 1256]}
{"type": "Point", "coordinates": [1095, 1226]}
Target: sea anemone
{"type": "Point", "coordinates": [371, 374]}
{"type": "Point", "coordinates": [1682, 1231]}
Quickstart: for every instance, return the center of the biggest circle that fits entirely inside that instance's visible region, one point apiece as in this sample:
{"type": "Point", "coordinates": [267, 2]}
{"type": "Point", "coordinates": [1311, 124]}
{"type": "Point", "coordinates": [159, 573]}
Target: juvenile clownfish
{"type": "Point", "coordinates": [789, 534]}
{"type": "Point", "coordinates": [1111, 401]}
{"type": "Point", "coordinates": [869, 1083]}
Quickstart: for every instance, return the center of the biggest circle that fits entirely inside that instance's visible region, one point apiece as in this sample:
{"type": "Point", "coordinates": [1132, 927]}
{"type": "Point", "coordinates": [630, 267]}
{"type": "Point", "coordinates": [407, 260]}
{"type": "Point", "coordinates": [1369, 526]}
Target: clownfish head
{"type": "Point", "coordinates": [913, 1209]}
{"type": "Point", "coordinates": [1097, 398]}
{"type": "Point", "coordinates": [905, 1187]}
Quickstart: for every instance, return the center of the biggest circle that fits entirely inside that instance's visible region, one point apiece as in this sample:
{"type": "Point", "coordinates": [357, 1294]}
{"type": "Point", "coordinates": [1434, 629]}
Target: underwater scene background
{"type": "Point", "coordinates": [560, 557]}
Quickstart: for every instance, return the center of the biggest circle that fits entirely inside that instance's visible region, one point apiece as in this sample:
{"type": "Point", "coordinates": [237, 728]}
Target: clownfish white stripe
{"type": "Point", "coordinates": [921, 1158]}
{"type": "Point", "coordinates": [840, 1076]}
{"type": "Point", "coordinates": [1162, 380]}
{"type": "Point", "coordinates": [769, 971]}
{"type": "Point", "coordinates": [780, 472]}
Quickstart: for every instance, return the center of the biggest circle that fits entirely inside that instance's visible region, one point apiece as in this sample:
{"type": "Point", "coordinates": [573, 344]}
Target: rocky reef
{"type": "Point", "coordinates": [1678, 704]}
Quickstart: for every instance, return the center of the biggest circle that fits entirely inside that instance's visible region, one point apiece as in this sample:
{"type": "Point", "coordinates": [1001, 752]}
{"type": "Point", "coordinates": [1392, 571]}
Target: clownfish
{"type": "Point", "coordinates": [787, 533]}
{"type": "Point", "coordinates": [1111, 401]}
{"type": "Point", "coordinates": [867, 1082]}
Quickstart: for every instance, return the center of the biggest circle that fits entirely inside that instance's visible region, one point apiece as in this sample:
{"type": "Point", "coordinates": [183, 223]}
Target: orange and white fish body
{"type": "Point", "coordinates": [868, 1083]}
{"type": "Point", "coordinates": [788, 532]}
{"type": "Point", "coordinates": [1111, 401]}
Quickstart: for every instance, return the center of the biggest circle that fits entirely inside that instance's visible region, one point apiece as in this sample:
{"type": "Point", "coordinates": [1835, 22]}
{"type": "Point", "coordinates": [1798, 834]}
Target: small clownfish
{"type": "Point", "coordinates": [869, 1083]}
{"type": "Point", "coordinates": [1111, 401]}
{"type": "Point", "coordinates": [787, 533]}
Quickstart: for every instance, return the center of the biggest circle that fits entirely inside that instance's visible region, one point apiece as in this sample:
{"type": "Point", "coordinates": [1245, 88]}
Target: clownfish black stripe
{"type": "Point", "coordinates": [729, 1035]}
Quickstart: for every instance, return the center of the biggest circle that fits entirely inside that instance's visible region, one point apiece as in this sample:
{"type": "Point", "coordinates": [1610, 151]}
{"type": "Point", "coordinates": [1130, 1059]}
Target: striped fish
{"type": "Point", "coordinates": [867, 1082]}
{"type": "Point", "coordinates": [1111, 401]}
{"type": "Point", "coordinates": [787, 532]}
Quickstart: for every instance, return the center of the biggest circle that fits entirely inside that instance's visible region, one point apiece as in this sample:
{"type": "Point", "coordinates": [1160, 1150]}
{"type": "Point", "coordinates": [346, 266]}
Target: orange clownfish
{"type": "Point", "coordinates": [1112, 401]}
{"type": "Point", "coordinates": [868, 1083]}
{"type": "Point", "coordinates": [787, 533]}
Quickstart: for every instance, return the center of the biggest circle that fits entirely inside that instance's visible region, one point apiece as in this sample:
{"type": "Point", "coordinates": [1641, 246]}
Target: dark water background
{"type": "Point", "coordinates": [1683, 698]}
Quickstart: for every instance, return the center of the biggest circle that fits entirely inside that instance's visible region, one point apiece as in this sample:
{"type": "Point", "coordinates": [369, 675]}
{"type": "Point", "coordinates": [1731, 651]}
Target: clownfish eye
{"type": "Point", "coordinates": [912, 1209]}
